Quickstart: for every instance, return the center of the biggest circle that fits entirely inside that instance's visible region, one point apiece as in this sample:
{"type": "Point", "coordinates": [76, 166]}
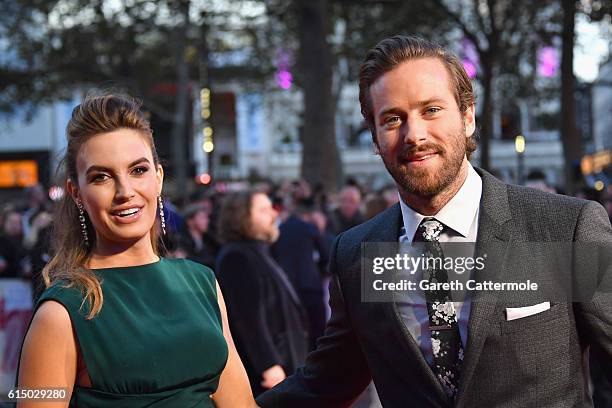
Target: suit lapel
{"type": "Point", "coordinates": [416, 368]}
{"type": "Point", "coordinates": [493, 225]}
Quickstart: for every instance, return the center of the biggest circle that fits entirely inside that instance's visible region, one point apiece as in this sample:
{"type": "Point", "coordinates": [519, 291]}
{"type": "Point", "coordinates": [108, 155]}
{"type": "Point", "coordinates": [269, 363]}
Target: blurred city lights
{"type": "Point", "coordinates": [204, 178]}
{"type": "Point", "coordinates": [548, 62]}
{"type": "Point", "coordinates": [205, 103]}
{"type": "Point", "coordinates": [284, 79]}
{"type": "Point", "coordinates": [208, 146]}
{"type": "Point", "coordinates": [599, 185]}
{"type": "Point", "coordinates": [469, 58]}
{"type": "Point", "coordinates": [207, 132]}
{"type": "Point", "coordinates": [470, 69]}
{"type": "Point", "coordinates": [519, 144]}
{"type": "Point", "coordinates": [56, 193]}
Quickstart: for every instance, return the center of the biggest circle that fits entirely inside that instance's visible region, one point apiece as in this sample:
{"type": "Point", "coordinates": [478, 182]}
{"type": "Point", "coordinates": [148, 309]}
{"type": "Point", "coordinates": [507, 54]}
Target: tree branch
{"type": "Point", "coordinates": [461, 25]}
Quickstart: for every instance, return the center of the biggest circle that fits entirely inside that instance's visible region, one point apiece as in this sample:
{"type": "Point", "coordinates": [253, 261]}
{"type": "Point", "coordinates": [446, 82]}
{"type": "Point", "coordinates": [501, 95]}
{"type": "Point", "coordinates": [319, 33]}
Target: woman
{"type": "Point", "coordinates": [267, 318]}
{"type": "Point", "coordinates": [118, 325]}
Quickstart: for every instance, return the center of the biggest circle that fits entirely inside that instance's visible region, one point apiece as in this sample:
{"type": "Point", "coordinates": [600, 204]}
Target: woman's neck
{"type": "Point", "coordinates": [108, 255]}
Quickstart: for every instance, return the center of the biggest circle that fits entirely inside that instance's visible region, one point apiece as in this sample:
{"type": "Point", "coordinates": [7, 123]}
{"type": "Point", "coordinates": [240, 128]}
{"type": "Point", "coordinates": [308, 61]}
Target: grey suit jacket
{"type": "Point", "coordinates": [537, 361]}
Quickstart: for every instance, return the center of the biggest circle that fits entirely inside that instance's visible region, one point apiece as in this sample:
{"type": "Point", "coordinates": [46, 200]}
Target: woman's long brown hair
{"type": "Point", "coordinates": [97, 114]}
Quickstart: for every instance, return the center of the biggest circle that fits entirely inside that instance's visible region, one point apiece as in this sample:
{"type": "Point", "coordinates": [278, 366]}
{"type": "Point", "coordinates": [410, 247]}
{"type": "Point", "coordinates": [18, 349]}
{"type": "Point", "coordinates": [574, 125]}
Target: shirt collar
{"type": "Point", "coordinates": [458, 214]}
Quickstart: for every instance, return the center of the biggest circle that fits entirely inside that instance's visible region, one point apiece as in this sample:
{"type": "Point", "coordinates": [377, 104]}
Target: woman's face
{"type": "Point", "coordinates": [118, 184]}
{"type": "Point", "coordinates": [263, 219]}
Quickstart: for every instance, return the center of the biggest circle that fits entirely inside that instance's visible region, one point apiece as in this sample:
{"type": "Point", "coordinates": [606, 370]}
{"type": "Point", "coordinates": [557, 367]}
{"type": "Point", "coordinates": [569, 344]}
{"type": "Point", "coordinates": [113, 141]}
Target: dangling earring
{"type": "Point", "coordinates": [82, 221]}
{"type": "Point", "coordinates": [161, 213]}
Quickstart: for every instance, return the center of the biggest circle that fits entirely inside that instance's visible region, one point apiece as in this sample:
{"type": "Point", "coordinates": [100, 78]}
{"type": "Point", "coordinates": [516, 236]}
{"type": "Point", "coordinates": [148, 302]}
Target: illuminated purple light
{"type": "Point", "coordinates": [284, 79]}
{"type": "Point", "coordinates": [548, 62]}
{"type": "Point", "coordinates": [470, 58]}
{"type": "Point", "coordinates": [470, 69]}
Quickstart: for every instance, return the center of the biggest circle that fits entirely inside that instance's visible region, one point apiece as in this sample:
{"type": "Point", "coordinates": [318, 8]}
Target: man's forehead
{"type": "Point", "coordinates": [415, 75]}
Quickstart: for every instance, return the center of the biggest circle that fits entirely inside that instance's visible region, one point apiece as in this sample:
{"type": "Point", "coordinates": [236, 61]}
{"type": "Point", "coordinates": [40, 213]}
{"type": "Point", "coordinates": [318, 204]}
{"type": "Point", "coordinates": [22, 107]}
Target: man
{"type": "Point", "coordinates": [196, 240]}
{"type": "Point", "coordinates": [348, 214]}
{"type": "Point", "coordinates": [266, 316]}
{"type": "Point", "coordinates": [299, 250]}
{"type": "Point", "coordinates": [419, 104]}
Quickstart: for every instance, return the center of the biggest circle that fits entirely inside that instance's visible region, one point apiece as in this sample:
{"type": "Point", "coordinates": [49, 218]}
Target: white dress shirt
{"type": "Point", "coordinates": [460, 216]}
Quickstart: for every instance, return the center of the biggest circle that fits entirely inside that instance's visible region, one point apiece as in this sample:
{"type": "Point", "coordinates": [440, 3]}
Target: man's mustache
{"type": "Point", "coordinates": [411, 151]}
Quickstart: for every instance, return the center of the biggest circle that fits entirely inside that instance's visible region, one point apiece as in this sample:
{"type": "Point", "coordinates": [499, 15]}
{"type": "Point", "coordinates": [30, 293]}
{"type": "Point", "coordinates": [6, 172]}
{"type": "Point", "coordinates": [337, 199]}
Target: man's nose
{"type": "Point", "coordinates": [414, 131]}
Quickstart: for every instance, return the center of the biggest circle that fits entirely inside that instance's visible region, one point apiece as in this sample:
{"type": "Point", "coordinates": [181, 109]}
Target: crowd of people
{"type": "Point", "coordinates": [25, 225]}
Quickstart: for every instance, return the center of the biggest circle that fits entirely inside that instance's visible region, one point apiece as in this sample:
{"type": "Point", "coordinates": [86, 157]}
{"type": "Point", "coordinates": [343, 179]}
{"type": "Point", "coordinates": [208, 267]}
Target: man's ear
{"type": "Point", "coordinates": [160, 178]}
{"type": "Point", "coordinates": [375, 149]}
{"type": "Point", "coordinates": [469, 120]}
{"type": "Point", "coordinates": [375, 146]}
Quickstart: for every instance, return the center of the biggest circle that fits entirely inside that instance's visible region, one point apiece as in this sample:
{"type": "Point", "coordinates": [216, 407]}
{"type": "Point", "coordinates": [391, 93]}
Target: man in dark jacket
{"type": "Point", "coordinates": [267, 320]}
{"type": "Point", "coordinates": [301, 251]}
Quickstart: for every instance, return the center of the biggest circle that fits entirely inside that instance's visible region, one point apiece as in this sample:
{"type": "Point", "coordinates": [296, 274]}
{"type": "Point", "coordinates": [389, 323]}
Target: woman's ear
{"type": "Point", "coordinates": [160, 178]}
{"type": "Point", "coordinates": [72, 189]}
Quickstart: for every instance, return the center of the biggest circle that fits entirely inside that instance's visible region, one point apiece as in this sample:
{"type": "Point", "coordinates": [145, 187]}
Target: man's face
{"type": "Point", "coordinates": [421, 135]}
{"type": "Point", "coordinates": [263, 219]}
{"type": "Point", "coordinates": [199, 221]}
{"type": "Point", "coordinates": [350, 199]}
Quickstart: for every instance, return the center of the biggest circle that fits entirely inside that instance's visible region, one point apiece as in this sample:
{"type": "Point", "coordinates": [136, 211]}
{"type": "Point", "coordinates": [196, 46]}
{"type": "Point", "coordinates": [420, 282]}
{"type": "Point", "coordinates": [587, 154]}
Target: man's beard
{"type": "Point", "coordinates": [270, 235]}
{"type": "Point", "coordinates": [273, 235]}
{"type": "Point", "coordinates": [428, 182]}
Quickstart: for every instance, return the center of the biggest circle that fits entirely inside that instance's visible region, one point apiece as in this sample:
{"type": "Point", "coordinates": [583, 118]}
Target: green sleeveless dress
{"type": "Point", "coordinates": [158, 340]}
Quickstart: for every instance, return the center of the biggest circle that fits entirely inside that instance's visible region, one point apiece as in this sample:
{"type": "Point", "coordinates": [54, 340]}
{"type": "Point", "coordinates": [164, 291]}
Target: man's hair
{"type": "Point", "coordinates": [393, 51]}
{"type": "Point", "coordinates": [234, 223]}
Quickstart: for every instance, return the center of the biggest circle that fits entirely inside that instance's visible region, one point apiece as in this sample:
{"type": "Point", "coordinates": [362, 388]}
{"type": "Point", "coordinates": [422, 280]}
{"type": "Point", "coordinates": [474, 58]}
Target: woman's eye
{"type": "Point", "coordinates": [99, 177]}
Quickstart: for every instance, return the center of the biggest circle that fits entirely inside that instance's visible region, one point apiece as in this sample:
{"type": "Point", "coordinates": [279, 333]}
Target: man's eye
{"type": "Point", "coordinates": [140, 170]}
{"type": "Point", "coordinates": [392, 120]}
{"type": "Point", "coordinates": [433, 109]}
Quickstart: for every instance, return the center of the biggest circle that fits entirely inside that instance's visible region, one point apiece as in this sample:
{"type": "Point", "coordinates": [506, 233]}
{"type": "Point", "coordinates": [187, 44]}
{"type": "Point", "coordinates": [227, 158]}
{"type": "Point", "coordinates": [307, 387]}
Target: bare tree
{"type": "Point", "coordinates": [320, 164]}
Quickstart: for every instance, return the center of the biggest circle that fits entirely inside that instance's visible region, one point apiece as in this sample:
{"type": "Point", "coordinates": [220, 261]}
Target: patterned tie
{"type": "Point", "coordinates": [443, 328]}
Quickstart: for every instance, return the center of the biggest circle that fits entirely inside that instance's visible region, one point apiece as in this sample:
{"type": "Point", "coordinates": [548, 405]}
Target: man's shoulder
{"type": "Point", "coordinates": [548, 216]}
{"type": "Point", "coordinates": [531, 197]}
{"type": "Point", "coordinates": [372, 228]}
{"type": "Point", "coordinates": [530, 200]}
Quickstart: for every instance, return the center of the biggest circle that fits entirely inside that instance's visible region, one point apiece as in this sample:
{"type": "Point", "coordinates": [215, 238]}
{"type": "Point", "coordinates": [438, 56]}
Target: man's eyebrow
{"type": "Point", "coordinates": [106, 169]}
{"type": "Point", "coordinates": [419, 104]}
{"type": "Point", "coordinates": [392, 109]}
{"type": "Point", "coordinates": [430, 101]}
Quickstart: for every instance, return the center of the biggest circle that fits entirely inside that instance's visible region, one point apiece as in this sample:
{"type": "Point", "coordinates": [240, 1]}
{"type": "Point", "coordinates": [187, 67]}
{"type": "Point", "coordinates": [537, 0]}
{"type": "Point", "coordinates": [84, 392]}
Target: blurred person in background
{"type": "Point", "coordinates": [374, 203]}
{"type": "Point", "coordinates": [302, 251]}
{"type": "Point", "coordinates": [266, 315]}
{"type": "Point", "coordinates": [199, 245]}
{"type": "Point", "coordinates": [37, 202]}
{"type": "Point", "coordinates": [12, 251]}
{"type": "Point", "coordinates": [348, 213]}
{"type": "Point", "coordinates": [537, 179]}
{"type": "Point", "coordinates": [390, 194]}
{"type": "Point", "coordinates": [37, 242]}
{"type": "Point", "coordinates": [111, 304]}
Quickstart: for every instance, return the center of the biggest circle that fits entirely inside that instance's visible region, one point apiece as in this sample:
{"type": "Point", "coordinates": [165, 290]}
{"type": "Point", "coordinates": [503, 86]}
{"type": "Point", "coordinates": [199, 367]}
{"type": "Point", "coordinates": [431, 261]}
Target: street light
{"type": "Point", "coordinates": [519, 146]}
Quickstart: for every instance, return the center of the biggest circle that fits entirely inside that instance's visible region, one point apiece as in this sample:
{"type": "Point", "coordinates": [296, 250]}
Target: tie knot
{"type": "Point", "coordinates": [429, 230]}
